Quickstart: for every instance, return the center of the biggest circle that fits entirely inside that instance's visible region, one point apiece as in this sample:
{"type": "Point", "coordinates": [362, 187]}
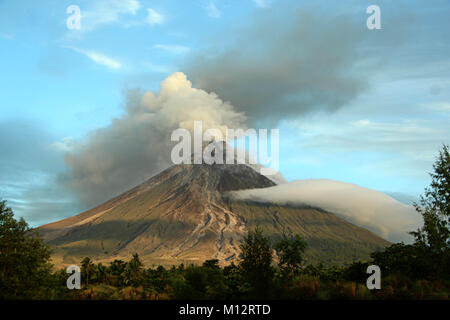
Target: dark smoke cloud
{"type": "Point", "coordinates": [284, 66]}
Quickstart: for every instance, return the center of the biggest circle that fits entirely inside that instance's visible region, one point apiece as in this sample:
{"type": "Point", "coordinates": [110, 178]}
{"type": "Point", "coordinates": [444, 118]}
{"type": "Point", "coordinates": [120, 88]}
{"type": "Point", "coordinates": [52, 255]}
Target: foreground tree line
{"type": "Point", "coordinates": [265, 270]}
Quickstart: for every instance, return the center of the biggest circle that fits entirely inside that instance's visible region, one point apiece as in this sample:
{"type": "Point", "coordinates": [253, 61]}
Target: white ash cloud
{"type": "Point", "coordinates": [364, 207]}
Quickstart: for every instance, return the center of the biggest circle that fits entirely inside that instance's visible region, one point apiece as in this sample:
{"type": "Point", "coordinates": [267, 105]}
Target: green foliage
{"type": "Point", "coordinates": [432, 241]}
{"type": "Point", "coordinates": [25, 271]}
{"type": "Point", "coordinates": [101, 273]}
{"type": "Point", "coordinates": [236, 287]}
{"type": "Point", "coordinates": [429, 257]}
{"type": "Point", "coordinates": [87, 269]}
{"type": "Point", "coordinates": [411, 260]}
{"type": "Point", "coordinates": [356, 272]}
{"type": "Point", "coordinates": [213, 264]}
{"type": "Point", "coordinates": [435, 207]}
{"type": "Point", "coordinates": [256, 260]}
{"type": "Point", "coordinates": [116, 270]}
{"type": "Point", "coordinates": [132, 273]}
{"type": "Point", "coordinates": [290, 252]}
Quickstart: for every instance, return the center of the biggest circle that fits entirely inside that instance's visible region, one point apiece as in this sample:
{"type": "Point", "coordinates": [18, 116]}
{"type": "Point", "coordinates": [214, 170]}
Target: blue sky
{"type": "Point", "coordinates": [381, 128]}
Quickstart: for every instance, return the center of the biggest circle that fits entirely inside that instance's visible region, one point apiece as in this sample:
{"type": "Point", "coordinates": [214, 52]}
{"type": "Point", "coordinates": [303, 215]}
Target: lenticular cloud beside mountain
{"type": "Point", "coordinates": [368, 208]}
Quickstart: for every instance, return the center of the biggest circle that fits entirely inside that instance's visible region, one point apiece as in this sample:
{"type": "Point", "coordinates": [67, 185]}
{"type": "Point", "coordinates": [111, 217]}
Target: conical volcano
{"type": "Point", "coordinates": [184, 215]}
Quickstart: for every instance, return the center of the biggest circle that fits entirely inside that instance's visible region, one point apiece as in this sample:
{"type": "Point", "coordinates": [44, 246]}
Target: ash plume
{"type": "Point", "coordinates": [137, 145]}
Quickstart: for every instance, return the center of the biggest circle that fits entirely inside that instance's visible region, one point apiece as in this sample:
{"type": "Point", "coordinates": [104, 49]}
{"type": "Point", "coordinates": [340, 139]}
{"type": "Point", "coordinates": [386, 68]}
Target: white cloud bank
{"type": "Point", "coordinates": [364, 207]}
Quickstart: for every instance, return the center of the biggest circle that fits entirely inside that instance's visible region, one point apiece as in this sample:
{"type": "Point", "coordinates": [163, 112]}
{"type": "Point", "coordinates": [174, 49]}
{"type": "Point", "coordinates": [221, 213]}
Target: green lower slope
{"type": "Point", "coordinates": [331, 240]}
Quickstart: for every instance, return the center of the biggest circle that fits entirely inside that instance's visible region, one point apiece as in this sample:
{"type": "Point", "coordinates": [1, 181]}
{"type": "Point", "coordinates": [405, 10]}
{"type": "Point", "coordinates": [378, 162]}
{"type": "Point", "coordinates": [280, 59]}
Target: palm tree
{"type": "Point", "coordinates": [86, 268]}
{"type": "Point", "coordinates": [136, 263]}
{"type": "Point", "coordinates": [132, 272]}
{"type": "Point", "coordinates": [116, 269]}
{"type": "Point", "coordinates": [101, 272]}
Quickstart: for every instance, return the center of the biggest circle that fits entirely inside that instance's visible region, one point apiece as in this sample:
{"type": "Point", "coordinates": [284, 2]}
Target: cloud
{"type": "Point", "coordinates": [106, 12]}
{"type": "Point", "coordinates": [64, 145]}
{"type": "Point", "coordinates": [294, 60]}
{"type": "Point", "coordinates": [98, 58]}
{"type": "Point", "coordinates": [154, 18]}
{"type": "Point", "coordinates": [397, 137]}
{"type": "Point", "coordinates": [173, 49]}
{"type": "Point", "coordinates": [137, 145]}
{"type": "Point", "coordinates": [364, 207]}
{"type": "Point", "coordinates": [276, 68]}
{"type": "Point", "coordinates": [212, 11]}
{"type": "Point", "coordinates": [404, 198]}
{"type": "Point", "coordinates": [28, 173]}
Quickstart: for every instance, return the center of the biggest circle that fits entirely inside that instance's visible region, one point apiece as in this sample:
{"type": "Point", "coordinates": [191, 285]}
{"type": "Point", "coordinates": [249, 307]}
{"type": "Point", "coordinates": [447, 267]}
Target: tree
{"type": "Point", "coordinates": [25, 271]}
{"type": "Point", "coordinates": [212, 263]}
{"type": "Point", "coordinates": [133, 270]}
{"type": "Point", "coordinates": [101, 273]}
{"type": "Point", "coordinates": [234, 281]}
{"type": "Point", "coordinates": [215, 288]}
{"type": "Point", "coordinates": [87, 269]}
{"type": "Point", "coordinates": [195, 286]}
{"type": "Point", "coordinates": [116, 269]}
{"type": "Point", "coordinates": [256, 260]}
{"type": "Point", "coordinates": [410, 260]}
{"type": "Point", "coordinates": [290, 253]}
{"type": "Point", "coordinates": [433, 238]}
{"type": "Point", "coordinates": [434, 207]}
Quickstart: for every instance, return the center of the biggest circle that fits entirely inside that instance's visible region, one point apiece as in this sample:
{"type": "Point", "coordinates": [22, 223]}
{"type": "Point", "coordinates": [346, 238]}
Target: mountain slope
{"type": "Point", "coordinates": [184, 215]}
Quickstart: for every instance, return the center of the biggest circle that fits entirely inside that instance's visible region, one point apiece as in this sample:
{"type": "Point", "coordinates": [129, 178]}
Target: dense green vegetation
{"type": "Point", "coordinates": [23, 259]}
{"type": "Point", "coordinates": [266, 270]}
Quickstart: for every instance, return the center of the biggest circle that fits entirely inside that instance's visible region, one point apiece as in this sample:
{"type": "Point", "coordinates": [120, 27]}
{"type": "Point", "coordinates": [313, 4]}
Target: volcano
{"type": "Point", "coordinates": [185, 215]}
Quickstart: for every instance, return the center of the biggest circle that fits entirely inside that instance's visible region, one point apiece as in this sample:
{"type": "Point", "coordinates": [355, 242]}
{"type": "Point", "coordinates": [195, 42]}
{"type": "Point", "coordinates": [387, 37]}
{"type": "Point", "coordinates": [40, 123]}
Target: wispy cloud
{"type": "Point", "coordinates": [262, 3]}
{"type": "Point", "coordinates": [154, 17]}
{"type": "Point", "coordinates": [212, 10]}
{"type": "Point", "coordinates": [174, 49]}
{"type": "Point", "coordinates": [402, 136]}
{"type": "Point", "coordinates": [65, 145]}
{"type": "Point", "coordinates": [107, 12]}
{"type": "Point", "coordinates": [98, 58]}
